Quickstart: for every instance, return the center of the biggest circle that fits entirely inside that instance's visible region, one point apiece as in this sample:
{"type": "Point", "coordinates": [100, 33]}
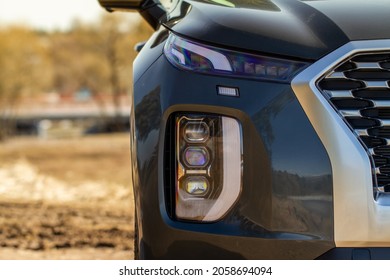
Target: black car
{"type": "Point", "coordinates": [261, 129]}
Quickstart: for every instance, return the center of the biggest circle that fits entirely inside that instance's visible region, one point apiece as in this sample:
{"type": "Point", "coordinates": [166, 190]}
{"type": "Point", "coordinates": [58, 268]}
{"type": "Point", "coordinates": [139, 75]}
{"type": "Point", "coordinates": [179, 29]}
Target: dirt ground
{"type": "Point", "coordinates": [66, 198]}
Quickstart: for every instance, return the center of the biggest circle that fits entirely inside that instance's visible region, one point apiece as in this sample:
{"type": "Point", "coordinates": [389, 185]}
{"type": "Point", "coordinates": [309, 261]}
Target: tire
{"type": "Point", "coordinates": [136, 238]}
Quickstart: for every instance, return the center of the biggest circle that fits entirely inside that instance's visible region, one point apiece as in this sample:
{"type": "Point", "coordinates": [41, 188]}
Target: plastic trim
{"type": "Point", "coordinates": [358, 220]}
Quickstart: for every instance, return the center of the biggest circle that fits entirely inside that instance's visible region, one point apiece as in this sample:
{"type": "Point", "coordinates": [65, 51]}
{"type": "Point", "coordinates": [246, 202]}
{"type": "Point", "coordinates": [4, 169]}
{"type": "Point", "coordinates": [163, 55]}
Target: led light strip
{"type": "Point", "coordinates": [232, 170]}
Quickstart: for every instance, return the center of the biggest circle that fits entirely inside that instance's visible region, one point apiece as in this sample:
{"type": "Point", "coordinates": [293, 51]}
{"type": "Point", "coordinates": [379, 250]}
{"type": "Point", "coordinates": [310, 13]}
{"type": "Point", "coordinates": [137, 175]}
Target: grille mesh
{"type": "Point", "coordinates": [359, 90]}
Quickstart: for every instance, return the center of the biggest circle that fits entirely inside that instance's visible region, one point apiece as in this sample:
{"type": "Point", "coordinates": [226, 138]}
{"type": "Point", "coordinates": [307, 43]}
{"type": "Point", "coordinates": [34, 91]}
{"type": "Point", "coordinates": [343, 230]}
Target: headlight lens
{"type": "Point", "coordinates": [197, 57]}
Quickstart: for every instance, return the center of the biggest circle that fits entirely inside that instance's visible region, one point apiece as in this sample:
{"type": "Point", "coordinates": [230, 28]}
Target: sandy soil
{"type": "Point", "coordinates": [66, 199]}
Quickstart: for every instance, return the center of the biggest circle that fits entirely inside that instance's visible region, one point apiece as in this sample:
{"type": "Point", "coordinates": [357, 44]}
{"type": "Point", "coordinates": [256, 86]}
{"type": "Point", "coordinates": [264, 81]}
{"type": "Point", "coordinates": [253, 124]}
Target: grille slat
{"type": "Point", "coordinates": [351, 103]}
{"type": "Point", "coordinates": [382, 151]}
{"type": "Point", "coordinates": [359, 123]}
{"type": "Point", "coordinates": [379, 113]}
{"type": "Point", "coordinates": [372, 142]}
{"type": "Point", "coordinates": [385, 65]}
{"type": "Point", "coordinates": [380, 161]}
{"type": "Point", "coordinates": [381, 103]}
{"type": "Point", "coordinates": [385, 169]}
{"type": "Point", "coordinates": [369, 83]}
{"type": "Point", "coordinates": [383, 180]}
{"type": "Point", "coordinates": [367, 65]}
{"type": "Point", "coordinates": [369, 75]}
{"type": "Point", "coordinates": [379, 94]}
{"type": "Point", "coordinates": [339, 93]}
{"type": "Point", "coordinates": [336, 75]}
{"type": "Point", "coordinates": [359, 90]}
{"type": "Point", "coordinates": [384, 122]}
{"type": "Point", "coordinates": [341, 84]}
{"type": "Point", "coordinates": [371, 58]}
{"type": "Point", "coordinates": [383, 132]}
{"type": "Point", "coordinates": [351, 113]}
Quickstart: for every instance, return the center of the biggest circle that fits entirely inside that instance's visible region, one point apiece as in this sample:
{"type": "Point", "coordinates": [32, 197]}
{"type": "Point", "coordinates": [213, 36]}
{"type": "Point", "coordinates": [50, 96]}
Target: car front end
{"type": "Point", "coordinates": [260, 131]}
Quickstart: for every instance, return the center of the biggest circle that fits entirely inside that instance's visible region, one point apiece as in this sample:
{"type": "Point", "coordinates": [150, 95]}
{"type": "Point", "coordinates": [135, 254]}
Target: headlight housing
{"type": "Point", "coordinates": [197, 57]}
{"type": "Point", "coordinates": [208, 166]}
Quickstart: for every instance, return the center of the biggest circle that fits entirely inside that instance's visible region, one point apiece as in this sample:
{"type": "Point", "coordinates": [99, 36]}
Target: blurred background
{"type": "Point", "coordinates": [65, 86]}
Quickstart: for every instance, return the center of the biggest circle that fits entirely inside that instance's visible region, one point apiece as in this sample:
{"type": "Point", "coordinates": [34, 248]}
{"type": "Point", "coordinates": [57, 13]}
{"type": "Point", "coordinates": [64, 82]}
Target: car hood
{"type": "Point", "coordinates": [291, 28]}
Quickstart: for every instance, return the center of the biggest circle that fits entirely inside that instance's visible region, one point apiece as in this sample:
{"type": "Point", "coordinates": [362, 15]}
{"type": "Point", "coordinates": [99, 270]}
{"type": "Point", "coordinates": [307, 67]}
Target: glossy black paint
{"type": "Point", "coordinates": [359, 20]}
{"type": "Point", "coordinates": [291, 28]}
{"type": "Point", "coordinates": [149, 53]}
{"type": "Point", "coordinates": [376, 253]}
{"type": "Point", "coordinates": [285, 210]}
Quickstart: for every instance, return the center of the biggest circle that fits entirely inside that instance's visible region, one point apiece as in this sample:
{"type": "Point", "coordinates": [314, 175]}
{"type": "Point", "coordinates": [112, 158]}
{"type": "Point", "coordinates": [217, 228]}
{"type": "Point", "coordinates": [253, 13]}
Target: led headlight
{"type": "Point", "coordinates": [196, 156]}
{"type": "Point", "coordinates": [196, 185]}
{"type": "Point", "coordinates": [197, 57]}
{"type": "Point", "coordinates": [196, 132]}
{"type": "Point", "coordinates": [209, 167]}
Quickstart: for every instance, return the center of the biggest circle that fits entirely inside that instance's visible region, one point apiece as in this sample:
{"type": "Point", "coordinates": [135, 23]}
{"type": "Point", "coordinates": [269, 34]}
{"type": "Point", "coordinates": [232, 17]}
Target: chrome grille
{"type": "Point", "coordinates": [359, 90]}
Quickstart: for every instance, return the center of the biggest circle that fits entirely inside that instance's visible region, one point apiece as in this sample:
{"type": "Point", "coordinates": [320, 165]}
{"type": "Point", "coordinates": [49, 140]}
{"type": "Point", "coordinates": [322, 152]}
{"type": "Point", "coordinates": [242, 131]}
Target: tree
{"type": "Point", "coordinates": [94, 56]}
{"type": "Point", "coordinates": [99, 56]}
{"type": "Point", "coordinates": [117, 38]}
{"type": "Point", "coordinates": [25, 70]}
